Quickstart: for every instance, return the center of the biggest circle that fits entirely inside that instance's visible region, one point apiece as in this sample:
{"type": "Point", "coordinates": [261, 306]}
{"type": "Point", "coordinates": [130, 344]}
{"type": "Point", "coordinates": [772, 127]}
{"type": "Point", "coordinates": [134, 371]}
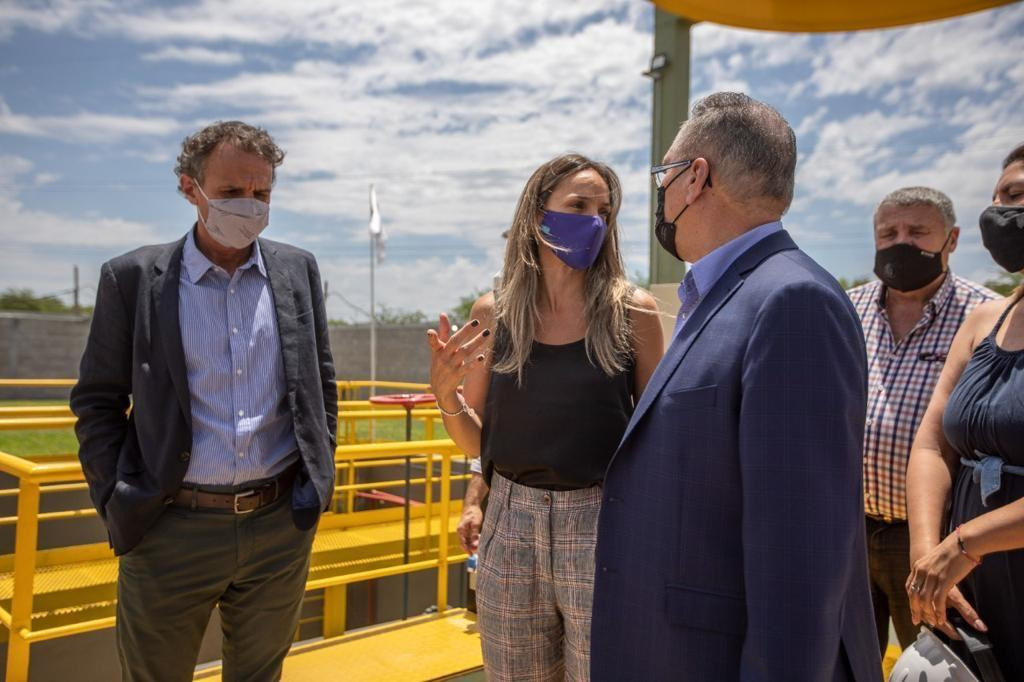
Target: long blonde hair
{"type": "Point", "coordinates": [607, 292]}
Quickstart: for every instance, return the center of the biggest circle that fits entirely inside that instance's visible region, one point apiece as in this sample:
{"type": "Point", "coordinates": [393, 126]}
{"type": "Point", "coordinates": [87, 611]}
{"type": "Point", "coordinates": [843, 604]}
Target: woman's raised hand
{"type": "Point", "coordinates": [452, 355]}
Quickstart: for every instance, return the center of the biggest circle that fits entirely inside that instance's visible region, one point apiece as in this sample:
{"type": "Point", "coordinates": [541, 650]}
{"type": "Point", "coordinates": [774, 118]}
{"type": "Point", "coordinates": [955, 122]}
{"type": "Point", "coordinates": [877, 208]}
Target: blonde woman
{"type": "Point", "coordinates": [552, 366]}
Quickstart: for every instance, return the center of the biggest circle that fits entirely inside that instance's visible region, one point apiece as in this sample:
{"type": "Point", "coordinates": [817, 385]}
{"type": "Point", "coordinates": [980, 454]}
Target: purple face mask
{"type": "Point", "coordinates": [579, 237]}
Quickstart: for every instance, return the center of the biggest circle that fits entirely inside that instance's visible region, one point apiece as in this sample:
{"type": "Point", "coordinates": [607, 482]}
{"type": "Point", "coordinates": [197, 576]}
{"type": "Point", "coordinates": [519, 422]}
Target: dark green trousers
{"type": "Point", "coordinates": [254, 566]}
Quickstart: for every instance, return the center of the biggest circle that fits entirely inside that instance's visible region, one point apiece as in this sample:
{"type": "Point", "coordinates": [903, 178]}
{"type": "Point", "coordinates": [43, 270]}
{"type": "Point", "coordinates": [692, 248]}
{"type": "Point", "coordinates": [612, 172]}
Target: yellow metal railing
{"type": "Point", "coordinates": [61, 474]}
{"type": "Point", "coordinates": [347, 421]}
{"type": "Point", "coordinates": [37, 478]}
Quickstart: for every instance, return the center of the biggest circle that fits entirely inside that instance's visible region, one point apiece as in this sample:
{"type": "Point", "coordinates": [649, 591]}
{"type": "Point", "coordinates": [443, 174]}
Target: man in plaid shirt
{"type": "Point", "coordinates": [910, 316]}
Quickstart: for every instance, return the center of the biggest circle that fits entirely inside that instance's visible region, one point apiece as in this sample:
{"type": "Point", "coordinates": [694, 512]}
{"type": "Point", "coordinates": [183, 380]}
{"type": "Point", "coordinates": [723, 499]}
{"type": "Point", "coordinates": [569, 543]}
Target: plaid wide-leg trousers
{"type": "Point", "coordinates": [535, 582]}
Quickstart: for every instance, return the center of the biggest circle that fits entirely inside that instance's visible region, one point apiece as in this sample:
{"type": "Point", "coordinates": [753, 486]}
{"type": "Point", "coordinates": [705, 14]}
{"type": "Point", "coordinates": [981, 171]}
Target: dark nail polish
{"type": "Point", "coordinates": [474, 323]}
{"type": "Point", "coordinates": [487, 332]}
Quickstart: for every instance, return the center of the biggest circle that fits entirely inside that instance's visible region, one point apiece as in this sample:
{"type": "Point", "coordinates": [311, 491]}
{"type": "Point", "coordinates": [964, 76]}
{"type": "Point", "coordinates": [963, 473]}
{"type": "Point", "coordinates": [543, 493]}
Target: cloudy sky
{"type": "Point", "coordinates": [448, 107]}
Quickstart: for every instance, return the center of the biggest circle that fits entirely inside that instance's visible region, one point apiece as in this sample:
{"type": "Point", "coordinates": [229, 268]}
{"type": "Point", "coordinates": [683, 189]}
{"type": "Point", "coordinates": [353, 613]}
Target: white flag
{"type": "Point", "coordinates": [376, 228]}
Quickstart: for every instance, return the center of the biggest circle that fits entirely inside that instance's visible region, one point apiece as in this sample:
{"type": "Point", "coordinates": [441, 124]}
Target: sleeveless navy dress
{"type": "Point", "coordinates": [985, 416]}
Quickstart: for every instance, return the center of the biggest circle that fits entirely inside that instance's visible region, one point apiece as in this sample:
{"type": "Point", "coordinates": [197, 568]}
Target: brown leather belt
{"type": "Point", "coordinates": [242, 502]}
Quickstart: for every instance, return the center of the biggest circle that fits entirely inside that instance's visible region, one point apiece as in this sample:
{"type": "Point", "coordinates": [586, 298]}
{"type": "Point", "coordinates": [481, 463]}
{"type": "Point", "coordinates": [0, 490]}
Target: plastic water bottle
{"type": "Point", "coordinates": [471, 587]}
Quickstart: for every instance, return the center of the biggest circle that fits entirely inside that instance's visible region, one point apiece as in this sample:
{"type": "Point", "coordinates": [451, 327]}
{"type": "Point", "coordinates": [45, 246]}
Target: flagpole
{"type": "Point", "coordinates": [373, 309]}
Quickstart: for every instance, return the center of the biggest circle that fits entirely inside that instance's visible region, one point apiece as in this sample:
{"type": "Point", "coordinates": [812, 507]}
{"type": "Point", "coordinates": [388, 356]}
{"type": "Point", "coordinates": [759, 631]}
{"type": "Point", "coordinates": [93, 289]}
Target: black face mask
{"type": "Point", "coordinates": [664, 230]}
{"type": "Point", "coordinates": [1002, 233]}
{"type": "Point", "coordinates": [905, 267]}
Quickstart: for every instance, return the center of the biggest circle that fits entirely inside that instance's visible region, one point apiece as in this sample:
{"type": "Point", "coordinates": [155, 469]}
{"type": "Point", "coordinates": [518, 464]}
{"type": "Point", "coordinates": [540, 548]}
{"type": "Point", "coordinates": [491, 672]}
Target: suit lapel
{"type": "Point", "coordinates": [720, 293]}
{"type": "Point", "coordinates": [167, 326]}
{"type": "Point", "coordinates": [683, 341]}
{"type": "Point", "coordinates": [284, 308]}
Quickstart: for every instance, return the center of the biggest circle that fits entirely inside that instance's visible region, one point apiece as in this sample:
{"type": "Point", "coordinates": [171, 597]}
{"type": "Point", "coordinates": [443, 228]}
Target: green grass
{"type": "Point", "coordinates": [49, 442]}
{"type": "Point", "coordinates": [63, 441]}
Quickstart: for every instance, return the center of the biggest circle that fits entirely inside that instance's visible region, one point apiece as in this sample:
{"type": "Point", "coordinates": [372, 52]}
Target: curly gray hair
{"type": "Point", "coordinates": [196, 148]}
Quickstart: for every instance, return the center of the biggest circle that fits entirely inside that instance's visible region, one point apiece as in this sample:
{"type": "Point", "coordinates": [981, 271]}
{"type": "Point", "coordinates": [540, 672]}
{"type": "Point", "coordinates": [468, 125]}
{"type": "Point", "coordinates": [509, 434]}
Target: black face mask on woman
{"type": "Point", "coordinates": [905, 267]}
{"type": "Point", "coordinates": [1002, 233]}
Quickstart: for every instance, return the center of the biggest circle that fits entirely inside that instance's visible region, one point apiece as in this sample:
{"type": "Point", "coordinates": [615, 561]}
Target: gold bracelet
{"type": "Point", "coordinates": [963, 550]}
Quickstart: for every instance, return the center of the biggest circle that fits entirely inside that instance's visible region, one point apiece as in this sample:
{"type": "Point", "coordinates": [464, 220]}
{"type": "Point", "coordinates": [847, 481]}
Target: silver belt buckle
{"type": "Point", "coordinates": [238, 496]}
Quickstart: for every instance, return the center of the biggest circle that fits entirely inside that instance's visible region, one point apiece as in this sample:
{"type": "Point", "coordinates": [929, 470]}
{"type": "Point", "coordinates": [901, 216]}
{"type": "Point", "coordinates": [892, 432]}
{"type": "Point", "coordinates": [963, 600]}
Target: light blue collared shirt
{"type": "Point", "coordinates": [706, 272]}
{"type": "Point", "coordinates": [242, 426]}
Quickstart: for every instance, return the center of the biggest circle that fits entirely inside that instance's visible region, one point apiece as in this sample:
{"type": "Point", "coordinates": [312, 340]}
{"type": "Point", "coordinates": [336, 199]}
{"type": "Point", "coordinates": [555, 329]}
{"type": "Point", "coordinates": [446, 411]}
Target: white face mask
{"type": "Point", "coordinates": [235, 223]}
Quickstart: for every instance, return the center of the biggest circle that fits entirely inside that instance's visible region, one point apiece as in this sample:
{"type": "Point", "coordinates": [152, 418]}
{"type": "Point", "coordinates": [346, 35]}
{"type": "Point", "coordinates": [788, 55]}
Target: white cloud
{"type": "Point", "coordinates": [449, 107]}
{"type": "Point", "coordinates": [83, 127]}
{"type": "Point", "coordinates": [22, 227]}
{"type": "Point", "coordinates": [193, 54]}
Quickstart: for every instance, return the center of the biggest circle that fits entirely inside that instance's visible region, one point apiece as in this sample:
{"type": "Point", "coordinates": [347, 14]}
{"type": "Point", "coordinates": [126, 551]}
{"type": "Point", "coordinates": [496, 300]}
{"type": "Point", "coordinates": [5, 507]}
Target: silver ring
{"type": "Point", "coordinates": [916, 587]}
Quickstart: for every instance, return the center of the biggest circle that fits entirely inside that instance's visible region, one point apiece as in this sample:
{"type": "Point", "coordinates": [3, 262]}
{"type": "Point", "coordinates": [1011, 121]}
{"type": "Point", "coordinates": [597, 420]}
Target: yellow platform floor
{"type": "Point", "coordinates": [78, 584]}
{"type": "Point", "coordinates": [424, 648]}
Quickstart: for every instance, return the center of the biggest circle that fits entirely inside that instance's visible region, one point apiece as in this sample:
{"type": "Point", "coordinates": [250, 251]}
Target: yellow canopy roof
{"type": "Point", "coordinates": [822, 15]}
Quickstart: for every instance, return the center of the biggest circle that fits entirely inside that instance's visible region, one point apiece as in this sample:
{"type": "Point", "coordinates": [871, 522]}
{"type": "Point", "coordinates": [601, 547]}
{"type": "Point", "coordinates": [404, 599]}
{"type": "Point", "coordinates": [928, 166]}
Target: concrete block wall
{"type": "Point", "coordinates": [41, 346]}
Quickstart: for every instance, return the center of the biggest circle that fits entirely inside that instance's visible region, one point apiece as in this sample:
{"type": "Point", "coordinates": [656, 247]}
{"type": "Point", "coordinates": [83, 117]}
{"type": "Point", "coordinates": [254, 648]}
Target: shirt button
{"type": "Point", "coordinates": [238, 372]}
{"type": "Point", "coordinates": [870, 422]}
{"type": "Point", "coordinates": [231, 290]}
{"type": "Point", "coordinates": [234, 330]}
{"type": "Point", "coordinates": [604, 569]}
{"type": "Point", "coordinates": [241, 454]}
{"type": "Point", "coordinates": [184, 457]}
{"type": "Point", "coordinates": [241, 413]}
{"type": "Point", "coordinates": [547, 499]}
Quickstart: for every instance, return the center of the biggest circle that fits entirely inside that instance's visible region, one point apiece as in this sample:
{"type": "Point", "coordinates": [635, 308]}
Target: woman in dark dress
{"type": "Point", "coordinates": [968, 457]}
{"type": "Point", "coordinates": [573, 346]}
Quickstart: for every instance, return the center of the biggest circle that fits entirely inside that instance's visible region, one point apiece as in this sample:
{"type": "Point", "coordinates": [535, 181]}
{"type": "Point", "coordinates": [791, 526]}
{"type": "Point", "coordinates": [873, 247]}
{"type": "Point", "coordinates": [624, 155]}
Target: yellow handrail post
{"type": "Point", "coordinates": [428, 500]}
{"type": "Point", "coordinates": [442, 532]}
{"type": "Point", "coordinates": [350, 496]}
{"type": "Point", "coordinates": [428, 428]}
{"type": "Point", "coordinates": [25, 544]}
{"type": "Point", "coordinates": [335, 603]}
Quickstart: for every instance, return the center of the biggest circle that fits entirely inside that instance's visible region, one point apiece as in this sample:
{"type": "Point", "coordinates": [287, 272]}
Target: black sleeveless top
{"type": "Point", "coordinates": [558, 430]}
{"type": "Point", "coordinates": [985, 416]}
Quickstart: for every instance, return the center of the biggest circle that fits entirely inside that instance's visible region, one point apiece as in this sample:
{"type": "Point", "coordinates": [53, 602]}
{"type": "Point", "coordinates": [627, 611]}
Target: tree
{"type": "Point", "coordinates": [856, 282]}
{"type": "Point", "coordinates": [1005, 283]}
{"type": "Point", "coordinates": [26, 299]}
{"type": "Point", "coordinates": [389, 315]}
{"type": "Point", "coordinates": [464, 309]}
{"type": "Point", "coordinates": [641, 280]}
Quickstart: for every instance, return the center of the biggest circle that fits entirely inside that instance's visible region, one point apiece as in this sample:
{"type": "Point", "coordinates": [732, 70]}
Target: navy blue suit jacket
{"type": "Point", "coordinates": [731, 542]}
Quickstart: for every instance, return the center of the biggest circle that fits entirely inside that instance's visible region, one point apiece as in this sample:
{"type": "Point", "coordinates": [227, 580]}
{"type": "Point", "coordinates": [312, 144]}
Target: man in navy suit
{"type": "Point", "coordinates": [731, 539]}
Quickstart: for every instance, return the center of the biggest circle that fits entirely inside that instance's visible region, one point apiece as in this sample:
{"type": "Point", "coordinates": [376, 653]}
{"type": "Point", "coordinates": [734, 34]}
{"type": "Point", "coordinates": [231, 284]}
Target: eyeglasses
{"type": "Point", "coordinates": [659, 173]}
{"type": "Point", "coordinates": [662, 172]}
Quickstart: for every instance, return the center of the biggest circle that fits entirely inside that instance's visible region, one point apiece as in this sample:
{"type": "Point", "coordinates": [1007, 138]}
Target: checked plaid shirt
{"type": "Point", "coordinates": [901, 378]}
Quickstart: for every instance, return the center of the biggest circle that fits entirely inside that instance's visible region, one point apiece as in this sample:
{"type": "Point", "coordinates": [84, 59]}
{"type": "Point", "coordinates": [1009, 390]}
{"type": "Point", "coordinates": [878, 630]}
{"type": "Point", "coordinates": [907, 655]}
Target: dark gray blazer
{"type": "Point", "coordinates": [134, 461]}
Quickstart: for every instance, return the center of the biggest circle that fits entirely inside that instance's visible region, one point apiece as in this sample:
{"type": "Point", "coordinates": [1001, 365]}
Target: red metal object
{"type": "Point", "coordinates": [381, 496]}
{"type": "Point", "coordinates": [406, 400]}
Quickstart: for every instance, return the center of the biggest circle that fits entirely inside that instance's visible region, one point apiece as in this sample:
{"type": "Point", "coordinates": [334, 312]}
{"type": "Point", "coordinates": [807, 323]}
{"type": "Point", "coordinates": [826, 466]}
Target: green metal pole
{"type": "Point", "coordinates": [671, 107]}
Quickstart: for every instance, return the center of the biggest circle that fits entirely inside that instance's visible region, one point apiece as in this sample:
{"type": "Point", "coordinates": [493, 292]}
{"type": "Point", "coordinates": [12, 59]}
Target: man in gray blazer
{"type": "Point", "coordinates": [207, 412]}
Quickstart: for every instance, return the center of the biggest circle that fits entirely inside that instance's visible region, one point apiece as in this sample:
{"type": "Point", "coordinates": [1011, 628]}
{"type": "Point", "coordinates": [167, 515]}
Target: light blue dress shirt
{"type": "Point", "coordinates": [703, 274]}
{"type": "Point", "coordinates": [242, 426]}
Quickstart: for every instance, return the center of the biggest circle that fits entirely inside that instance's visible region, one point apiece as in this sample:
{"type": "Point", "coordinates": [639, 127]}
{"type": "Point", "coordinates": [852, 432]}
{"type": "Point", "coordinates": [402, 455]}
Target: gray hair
{"type": "Point", "coordinates": [1013, 157]}
{"type": "Point", "coordinates": [196, 149]}
{"type": "Point", "coordinates": [921, 196]}
{"type": "Point", "coordinates": [749, 146]}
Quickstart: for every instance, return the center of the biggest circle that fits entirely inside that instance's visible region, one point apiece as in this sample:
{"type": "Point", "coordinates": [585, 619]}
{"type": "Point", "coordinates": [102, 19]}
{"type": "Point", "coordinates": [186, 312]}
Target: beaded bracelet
{"type": "Point", "coordinates": [963, 550]}
{"type": "Point", "coordinates": [463, 407]}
